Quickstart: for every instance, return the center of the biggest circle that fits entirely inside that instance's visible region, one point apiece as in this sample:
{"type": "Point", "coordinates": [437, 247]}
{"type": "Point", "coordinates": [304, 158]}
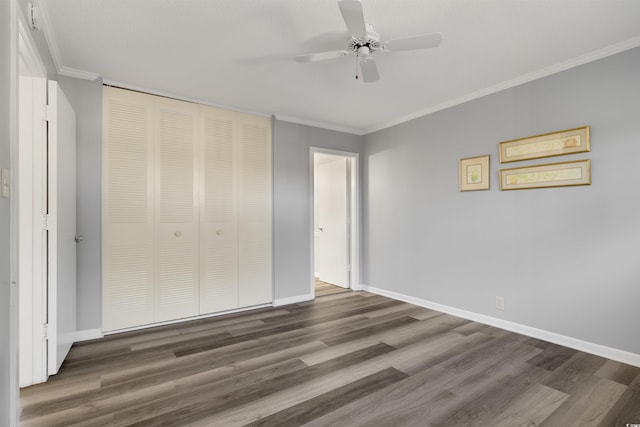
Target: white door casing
{"type": "Point", "coordinates": [333, 205]}
{"type": "Point", "coordinates": [61, 227]}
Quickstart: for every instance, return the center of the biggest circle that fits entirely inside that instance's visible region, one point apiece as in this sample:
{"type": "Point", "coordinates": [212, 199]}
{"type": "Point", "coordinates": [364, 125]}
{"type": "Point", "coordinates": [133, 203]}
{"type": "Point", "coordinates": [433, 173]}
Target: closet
{"type": "Point", "coordinates": [186, 209]}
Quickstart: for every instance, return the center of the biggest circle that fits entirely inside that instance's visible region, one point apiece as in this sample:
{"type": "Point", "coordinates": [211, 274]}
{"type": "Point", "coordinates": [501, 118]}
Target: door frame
{"type": "Point", "coordinates": [355, 215]}
{"type": "Point", "coordinates": [31, 185]}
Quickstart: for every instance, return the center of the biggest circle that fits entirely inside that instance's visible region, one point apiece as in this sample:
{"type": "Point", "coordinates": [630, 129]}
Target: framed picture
{"type": "Point", "coordinates": [474, 173]}
{"type": "Point", "coordinates": [550, 144]}
{"type": "Point", "coordinates": [550, 175]}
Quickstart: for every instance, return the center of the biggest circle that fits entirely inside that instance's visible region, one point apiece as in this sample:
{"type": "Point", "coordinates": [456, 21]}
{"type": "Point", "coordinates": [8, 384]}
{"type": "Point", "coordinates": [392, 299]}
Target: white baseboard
{"type": "Point", "coordinates": [358, 287]}
{"type": "Point", "coordinates": [88, 334]}
{"type": "Point", "coordinates": [588, 347]}
{"type": "Point", "coordinates": [292, 300]}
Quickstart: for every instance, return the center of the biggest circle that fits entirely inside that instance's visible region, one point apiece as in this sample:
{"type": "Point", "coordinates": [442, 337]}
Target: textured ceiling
{"type": "Point", "coordinates": [238, 53]}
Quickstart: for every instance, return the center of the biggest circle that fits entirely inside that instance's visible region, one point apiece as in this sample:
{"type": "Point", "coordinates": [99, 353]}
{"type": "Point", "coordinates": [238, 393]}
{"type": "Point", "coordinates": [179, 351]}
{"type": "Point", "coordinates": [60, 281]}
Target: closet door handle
{"type": "Point", "coordinates": [219, 232]}
{"type": "Point", "coordinates": [178, 233]}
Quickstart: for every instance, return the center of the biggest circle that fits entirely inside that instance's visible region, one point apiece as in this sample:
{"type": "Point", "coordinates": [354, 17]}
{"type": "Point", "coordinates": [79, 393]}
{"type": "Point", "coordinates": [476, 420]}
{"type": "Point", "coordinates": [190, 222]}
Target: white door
{"type": "Point", "coordinates": [61, 314]}
{"type": "Point", "coordinates": [176, 205]}
{"type": "Point", "coordinates": [331, 179]}
{"type": "Point", "coordinates": [127, 209]}
{"type": "Point", "coordinates": [218, 210]}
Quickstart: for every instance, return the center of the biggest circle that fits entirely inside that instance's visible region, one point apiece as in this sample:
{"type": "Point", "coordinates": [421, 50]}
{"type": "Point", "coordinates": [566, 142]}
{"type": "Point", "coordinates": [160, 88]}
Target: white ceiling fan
{"type": "Point", "coordinates": [364, 41]}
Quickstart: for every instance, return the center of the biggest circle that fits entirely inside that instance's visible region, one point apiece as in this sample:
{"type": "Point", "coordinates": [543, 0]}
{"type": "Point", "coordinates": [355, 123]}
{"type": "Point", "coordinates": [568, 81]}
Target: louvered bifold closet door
{"type": "Point", "coordinates": [127, 209]}
{"type": "Point", "coordinates": [255, 198]}
{"type": "Point", "coordinates": [218, 210]}
{"type": "Point", "coordinates": [176, 210]}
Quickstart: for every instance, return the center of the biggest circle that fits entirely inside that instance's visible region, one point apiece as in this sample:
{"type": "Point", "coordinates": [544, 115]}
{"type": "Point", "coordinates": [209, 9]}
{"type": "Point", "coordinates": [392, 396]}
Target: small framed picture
{"type": "Point", "coordinates": [474, 173]}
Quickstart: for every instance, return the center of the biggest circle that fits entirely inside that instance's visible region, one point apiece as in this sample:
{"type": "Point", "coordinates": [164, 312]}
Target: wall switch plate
{"type": "Point", "coordinates": [4, 183]}
{"type": "Point", "coordinates": [500, 303]}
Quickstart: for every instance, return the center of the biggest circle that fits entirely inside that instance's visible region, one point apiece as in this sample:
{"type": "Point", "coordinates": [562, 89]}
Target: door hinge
{"type": "Point", "coordinates": [45, 331]}
{"type": "Point", "coordinates": [45, 113]}
{"type": "Point", "coordinates": [45, 222]}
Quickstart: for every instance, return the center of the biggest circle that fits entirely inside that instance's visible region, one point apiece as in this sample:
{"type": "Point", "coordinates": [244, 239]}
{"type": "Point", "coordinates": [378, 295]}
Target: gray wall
{"type": "Point", "coordinates": [292, 200]}
{"type": "Point", "coordinates": [86, 99]}
{"type": "Point", "coordinates": [565, 259]}
{"type": "Point", "coordinates": [5, 84]}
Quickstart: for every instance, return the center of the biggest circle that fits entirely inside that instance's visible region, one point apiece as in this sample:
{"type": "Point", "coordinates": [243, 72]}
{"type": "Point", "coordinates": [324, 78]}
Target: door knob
{"type": "Point", "coordinates": [79, 238]}
{"type": "Point", "coordinates": [178, 233]}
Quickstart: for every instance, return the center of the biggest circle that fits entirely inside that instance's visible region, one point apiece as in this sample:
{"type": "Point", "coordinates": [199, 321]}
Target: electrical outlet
{"type": "Point", "coordinates": [4, 183]}
{"type": "Point", "coordinates": [500, 303]}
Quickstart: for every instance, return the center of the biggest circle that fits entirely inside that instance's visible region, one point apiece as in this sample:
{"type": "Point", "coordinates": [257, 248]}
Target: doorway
{"type": "Point", "coordinates": [335, 241]}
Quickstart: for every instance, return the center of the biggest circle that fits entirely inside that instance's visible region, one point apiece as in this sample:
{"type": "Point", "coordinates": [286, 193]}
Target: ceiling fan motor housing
{"type": "Point", "coordinates": [372, 41]}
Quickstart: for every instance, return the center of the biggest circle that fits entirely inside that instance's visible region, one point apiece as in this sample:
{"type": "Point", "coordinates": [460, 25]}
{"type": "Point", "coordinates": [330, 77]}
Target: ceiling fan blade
{"type": "Point", "coordinates": [411, 43]}
{"type": "Point", "coordinates": [354, 17]}
{"type": "Point", "coordinates": [369, 70]}
{"type": "Point", "coordinates": [320, 56]}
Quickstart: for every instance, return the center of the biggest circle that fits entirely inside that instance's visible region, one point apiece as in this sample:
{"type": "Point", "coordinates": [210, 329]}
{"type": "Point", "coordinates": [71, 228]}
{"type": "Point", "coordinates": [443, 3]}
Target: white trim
{"type": "Point", "coordinates": [11, 386]}
{"type": "Point", "coordinates": [292, 300]}
{"type": "Point", "coordinates": [78, 74]}
{"type": "Point", "coordinates": [323, 125]}
{"type": "Point", "coordinates": [88, 334]}
{"type": "Point", "coordinates": [181, 98]}
{"type": "Point", "coordinates": [356, 217]}
{"type": "Point", "coordinates": [553, 69]}
{"type": "Point", "coordinates": [186, 319]}
{"type": "Point", "coordinates": [577, 344]}
{"type": "Point", "coordinates": [49, 35]}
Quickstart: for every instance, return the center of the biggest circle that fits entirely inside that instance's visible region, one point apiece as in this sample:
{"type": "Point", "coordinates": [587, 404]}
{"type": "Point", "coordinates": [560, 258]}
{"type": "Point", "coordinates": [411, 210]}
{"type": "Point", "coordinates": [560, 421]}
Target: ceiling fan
{"type": "Point", "coordinates": [364, 41]}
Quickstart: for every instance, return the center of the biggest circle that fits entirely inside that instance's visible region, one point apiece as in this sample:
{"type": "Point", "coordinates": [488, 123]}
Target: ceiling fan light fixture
{"type": "Point", "coordinates": [365, 41]}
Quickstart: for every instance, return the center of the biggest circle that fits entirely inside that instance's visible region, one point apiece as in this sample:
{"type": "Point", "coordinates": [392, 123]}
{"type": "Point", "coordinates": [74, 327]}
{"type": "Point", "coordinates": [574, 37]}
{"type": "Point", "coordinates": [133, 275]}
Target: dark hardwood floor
{"type": "Point", "coordinates": [346, 359]}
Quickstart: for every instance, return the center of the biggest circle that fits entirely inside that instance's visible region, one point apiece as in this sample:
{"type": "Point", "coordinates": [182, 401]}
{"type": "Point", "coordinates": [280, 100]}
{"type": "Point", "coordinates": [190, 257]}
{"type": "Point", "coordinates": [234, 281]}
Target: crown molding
{"type": "Point", "coordinates": [556, 68]}
{"type": "Point", "coordinates": [329, 126]}
{"type": "Point", "coordinates": [78, 74]}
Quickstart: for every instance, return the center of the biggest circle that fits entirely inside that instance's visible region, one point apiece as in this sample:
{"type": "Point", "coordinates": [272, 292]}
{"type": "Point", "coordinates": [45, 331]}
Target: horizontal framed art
{"type": "Point", "coordinates": [549, 175]}
{"type": "Point", "coordinates": [474, 173]}
{"type": "Point", "coordinates": [568, 141]}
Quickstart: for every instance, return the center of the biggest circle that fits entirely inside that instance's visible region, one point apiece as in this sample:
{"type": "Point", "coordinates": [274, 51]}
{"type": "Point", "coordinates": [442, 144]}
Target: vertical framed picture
{"type": "Point", "coordinates": [474, 173]}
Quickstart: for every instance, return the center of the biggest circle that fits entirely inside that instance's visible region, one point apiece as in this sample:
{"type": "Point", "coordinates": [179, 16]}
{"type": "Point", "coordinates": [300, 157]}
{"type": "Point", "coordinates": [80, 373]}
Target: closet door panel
{"type": "Point", "coordinates": [127, 209]}
{"type": "Point", "coordinates": [176, 210]}
{"type": "Point", "coordinates": [255, 196]}
{"type": "Point", "coordinates": [219, 210]}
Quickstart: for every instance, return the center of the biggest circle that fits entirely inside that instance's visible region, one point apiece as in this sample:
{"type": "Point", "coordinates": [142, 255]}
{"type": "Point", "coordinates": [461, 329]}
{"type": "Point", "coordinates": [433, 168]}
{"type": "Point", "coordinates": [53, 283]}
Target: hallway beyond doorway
{"type": "Point", "coordinates": [324, 288]}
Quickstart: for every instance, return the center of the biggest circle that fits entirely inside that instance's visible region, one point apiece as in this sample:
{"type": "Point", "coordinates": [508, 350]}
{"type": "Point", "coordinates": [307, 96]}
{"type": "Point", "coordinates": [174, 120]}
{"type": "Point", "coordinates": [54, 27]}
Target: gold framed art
{"type": "Point", "coordinates": [550, 175]}
{"type": "Point", "coordinates": [474, 173]}
{"type": "Point", "coordinates": [568, 141]}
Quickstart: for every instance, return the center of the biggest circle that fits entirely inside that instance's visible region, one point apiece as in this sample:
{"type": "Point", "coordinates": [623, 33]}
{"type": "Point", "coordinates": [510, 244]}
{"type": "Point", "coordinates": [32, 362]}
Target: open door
{"type": "Point", "coordinates": [61, 225]}
{"type": "Point", "coordinates": [332, 179]}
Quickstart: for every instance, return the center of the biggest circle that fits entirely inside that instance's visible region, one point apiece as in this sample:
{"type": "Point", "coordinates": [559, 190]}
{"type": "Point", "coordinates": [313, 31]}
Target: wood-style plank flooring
{"type": "Point", "coordinates": [342, 360]}
{"type": "Point", "coordinates": [324, 288]}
